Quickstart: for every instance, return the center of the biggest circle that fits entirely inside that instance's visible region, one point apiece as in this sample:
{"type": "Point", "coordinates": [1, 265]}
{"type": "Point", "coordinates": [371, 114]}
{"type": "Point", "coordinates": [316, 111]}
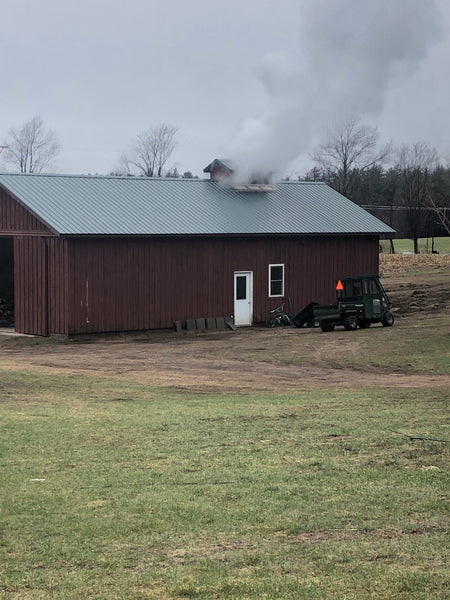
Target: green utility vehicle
{"type": "Point", "coordinates": [361, 301]}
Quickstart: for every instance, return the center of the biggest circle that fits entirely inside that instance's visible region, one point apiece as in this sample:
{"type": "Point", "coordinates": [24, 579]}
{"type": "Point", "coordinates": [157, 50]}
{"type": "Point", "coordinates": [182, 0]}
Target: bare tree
{"type": "Point", "coordinates": [31, 148]}
{"type": "Point", "coordinates": [151, 151]}
{"type": "Point", "coordinates": [415, 166]}
{"type": "Point", "coordinates": [173, 173]}
{"type": "Point", "coordinates": [348, 150]}
{"type": "Point", "coordinates": [439, 197]}
{"type": "Point", "coordinates": [314, 174]}
{"type": "Point", "coordinates": [442, 213]}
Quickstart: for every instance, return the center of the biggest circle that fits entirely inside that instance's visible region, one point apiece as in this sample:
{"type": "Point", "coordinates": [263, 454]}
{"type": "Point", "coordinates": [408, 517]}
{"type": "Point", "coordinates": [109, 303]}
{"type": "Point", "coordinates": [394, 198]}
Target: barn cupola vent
{"type": "Point", "coordinates": [223, 171]}
{"type": "Point", "coordinates": [220, 169]}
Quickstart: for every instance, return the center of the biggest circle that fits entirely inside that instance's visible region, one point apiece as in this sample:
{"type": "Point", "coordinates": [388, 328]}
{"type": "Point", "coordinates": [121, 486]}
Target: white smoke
{"type": "Point", "coordinates": [348, 54]}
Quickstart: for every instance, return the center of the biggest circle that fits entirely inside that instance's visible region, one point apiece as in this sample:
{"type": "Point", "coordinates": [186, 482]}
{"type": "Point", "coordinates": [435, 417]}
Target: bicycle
{"type": "Point", "coordinates": [278, 317]}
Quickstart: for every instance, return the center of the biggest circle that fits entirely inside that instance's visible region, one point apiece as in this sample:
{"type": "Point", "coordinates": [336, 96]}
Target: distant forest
{"type": "Point", "coordinates": [413, 201]}
{"type": "Point", "coordinates": [412, 195]}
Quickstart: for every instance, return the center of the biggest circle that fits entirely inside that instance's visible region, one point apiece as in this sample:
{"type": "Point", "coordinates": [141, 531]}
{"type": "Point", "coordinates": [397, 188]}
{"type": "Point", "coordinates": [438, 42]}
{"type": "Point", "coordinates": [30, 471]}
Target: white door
{"type": "Point", "coordinates": [243, 298]}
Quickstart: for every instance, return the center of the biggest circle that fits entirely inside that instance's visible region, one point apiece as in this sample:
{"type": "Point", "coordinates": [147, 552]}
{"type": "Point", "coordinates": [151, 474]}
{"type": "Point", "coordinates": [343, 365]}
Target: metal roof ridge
{"type": "Point", "coordinates": [141, 178]}
{"type": "Point", "coordinates": [304, 182]}
{"type": "Point", "coordinates": [98, 176]}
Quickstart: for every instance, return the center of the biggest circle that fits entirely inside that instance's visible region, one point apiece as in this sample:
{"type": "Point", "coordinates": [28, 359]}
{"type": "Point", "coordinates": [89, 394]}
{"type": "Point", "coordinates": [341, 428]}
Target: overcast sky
{"type": "Point", "coordinates": [254, 80]}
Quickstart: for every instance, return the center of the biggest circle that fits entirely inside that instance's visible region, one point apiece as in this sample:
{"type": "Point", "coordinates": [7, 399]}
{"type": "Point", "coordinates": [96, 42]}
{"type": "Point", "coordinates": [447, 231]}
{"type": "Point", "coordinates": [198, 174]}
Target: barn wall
{"type": "Point", "coordinates": [40, 285]}
{"type": "Point", "coordinates": [57, 285]}
{"type": "Point", "coordinates": [14, 218]}
{"type": "Point", "coordinates": [134, 284]}
{"type": "Point", "coordinates": [30, 285]}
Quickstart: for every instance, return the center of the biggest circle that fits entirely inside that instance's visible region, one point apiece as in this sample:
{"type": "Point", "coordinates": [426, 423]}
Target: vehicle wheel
{"type": "Point", "coordinates": [270, 323]}
{"type": "Point", "coordinates": [388, 319]}
{"type": "Point", "coordinates": [351, 323]}
{"type": "Point", "coordinates": [326, 326]}
{"type": "Point", "coordinates": [364, 323]}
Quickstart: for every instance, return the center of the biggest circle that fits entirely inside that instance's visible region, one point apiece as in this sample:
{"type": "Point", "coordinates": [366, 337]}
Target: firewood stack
{"type": "Point", "coordinates": [6, 312]}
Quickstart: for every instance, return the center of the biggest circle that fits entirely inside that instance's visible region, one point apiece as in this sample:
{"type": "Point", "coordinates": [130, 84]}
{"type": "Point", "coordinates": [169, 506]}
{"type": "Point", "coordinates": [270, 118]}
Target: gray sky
{"type": "Point", "coordinates": [252, 80]}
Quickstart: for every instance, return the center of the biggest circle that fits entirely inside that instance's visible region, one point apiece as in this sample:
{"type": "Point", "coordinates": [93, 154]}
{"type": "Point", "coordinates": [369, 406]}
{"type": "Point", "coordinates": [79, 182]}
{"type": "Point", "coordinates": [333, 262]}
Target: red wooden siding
{"type": "Point", "coordinates": [57, 285]}
{"type": "Point", "coordinates": [30, 286]}
{"type": "Point", "coordinates": [132, 284]}
{"type": "Point", "coordinates": [14, 218]}
{"type": "Point", "coordinates": [40, 285]}
{"type": "Point", "coordinates": [67, 286]}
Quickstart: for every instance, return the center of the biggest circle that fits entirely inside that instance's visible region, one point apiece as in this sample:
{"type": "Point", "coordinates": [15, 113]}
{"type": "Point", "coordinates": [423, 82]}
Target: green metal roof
{"type": "Point", "coordinates": [93, 205]}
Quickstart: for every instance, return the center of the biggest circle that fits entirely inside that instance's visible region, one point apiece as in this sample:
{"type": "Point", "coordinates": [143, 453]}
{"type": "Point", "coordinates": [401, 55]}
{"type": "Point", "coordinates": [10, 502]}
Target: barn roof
{"type": "Point", "coordinates": [94, 205]}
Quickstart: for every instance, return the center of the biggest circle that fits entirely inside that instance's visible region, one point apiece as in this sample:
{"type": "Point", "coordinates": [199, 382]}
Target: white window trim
{"type": "Point", "coordinates": [282, 280]}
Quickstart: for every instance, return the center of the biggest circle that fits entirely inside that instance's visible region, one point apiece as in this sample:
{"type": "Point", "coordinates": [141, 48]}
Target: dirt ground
{"type": "Point", "coordinates": [255, 358]}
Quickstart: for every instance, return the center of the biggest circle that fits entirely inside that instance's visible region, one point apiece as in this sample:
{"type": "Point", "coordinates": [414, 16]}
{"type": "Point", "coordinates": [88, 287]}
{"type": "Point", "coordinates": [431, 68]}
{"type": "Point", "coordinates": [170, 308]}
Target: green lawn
{"type": "Point", "coordinates": [441, 245]}
{"type": "Point", "coordinates": [112, 490]}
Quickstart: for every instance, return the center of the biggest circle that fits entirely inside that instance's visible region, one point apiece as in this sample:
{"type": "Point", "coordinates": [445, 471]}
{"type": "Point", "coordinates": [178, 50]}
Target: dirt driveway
{"type": "Point", "coordinates": [253, 358]}
{"type": "Point", "coordinates": [244, 360]}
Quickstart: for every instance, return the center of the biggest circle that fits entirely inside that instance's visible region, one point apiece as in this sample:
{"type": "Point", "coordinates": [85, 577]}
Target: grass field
{"type": "Point", "coordinates": [121, 491]}
{"type": "Point", "coordinates": [114, 489]}
{"type": "Point", "coordinates": [441, 245]}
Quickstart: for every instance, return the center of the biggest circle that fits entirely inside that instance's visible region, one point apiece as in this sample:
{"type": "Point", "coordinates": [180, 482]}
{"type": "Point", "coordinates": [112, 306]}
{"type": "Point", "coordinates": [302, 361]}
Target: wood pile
{"type": "Point", "coordinates": [6, 312]}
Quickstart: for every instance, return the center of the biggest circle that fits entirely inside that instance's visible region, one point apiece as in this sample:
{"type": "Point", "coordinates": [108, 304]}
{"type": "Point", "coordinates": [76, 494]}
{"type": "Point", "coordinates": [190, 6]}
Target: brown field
{"type": "Point", "coordinates": [263, 359]}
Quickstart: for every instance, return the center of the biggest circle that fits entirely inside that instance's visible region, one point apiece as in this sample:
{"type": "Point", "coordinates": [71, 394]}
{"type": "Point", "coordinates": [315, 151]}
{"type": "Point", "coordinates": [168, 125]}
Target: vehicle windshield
{"type": "Point", "coordinates": [352, 289]}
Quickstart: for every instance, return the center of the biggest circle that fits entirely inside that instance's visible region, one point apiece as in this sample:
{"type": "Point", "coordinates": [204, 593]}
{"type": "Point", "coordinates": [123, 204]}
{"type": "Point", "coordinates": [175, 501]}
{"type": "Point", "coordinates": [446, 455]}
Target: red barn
{"type": "Point", "coordinates": [82, 254]}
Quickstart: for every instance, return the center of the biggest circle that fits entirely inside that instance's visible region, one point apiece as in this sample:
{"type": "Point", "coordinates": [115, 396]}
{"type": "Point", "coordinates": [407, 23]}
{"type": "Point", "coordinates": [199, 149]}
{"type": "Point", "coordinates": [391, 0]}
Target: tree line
{"type": "Point", "coordinates": [32, 148]}
{"type": "Point", "coordinates": [407, 187]}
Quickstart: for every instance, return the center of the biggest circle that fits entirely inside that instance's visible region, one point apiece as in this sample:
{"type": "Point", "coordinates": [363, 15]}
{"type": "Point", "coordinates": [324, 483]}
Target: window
{"type": "Point", "coordinates": [241, 287]}
{"type": "Point", "coordinates": [276, 280]}
{"type": "Point", "coordinates": [371, 287]}
{"type": "Point", "coordinates": [353, 288]}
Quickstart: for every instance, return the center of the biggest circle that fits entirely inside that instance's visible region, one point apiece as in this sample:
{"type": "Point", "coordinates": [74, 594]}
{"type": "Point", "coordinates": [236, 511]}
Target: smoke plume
{"type": "Point", "coordinates": [349, 52]}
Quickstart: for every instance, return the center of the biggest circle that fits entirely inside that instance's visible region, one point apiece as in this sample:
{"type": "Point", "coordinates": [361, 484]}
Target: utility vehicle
{"type": "Point", "coordinates": [361, 301]}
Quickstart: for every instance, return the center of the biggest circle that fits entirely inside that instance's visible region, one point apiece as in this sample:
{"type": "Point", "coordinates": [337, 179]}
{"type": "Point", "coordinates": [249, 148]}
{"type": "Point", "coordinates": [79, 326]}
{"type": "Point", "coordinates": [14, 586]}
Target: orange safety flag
{"type": "Point", "coordinates": [339, 286]}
